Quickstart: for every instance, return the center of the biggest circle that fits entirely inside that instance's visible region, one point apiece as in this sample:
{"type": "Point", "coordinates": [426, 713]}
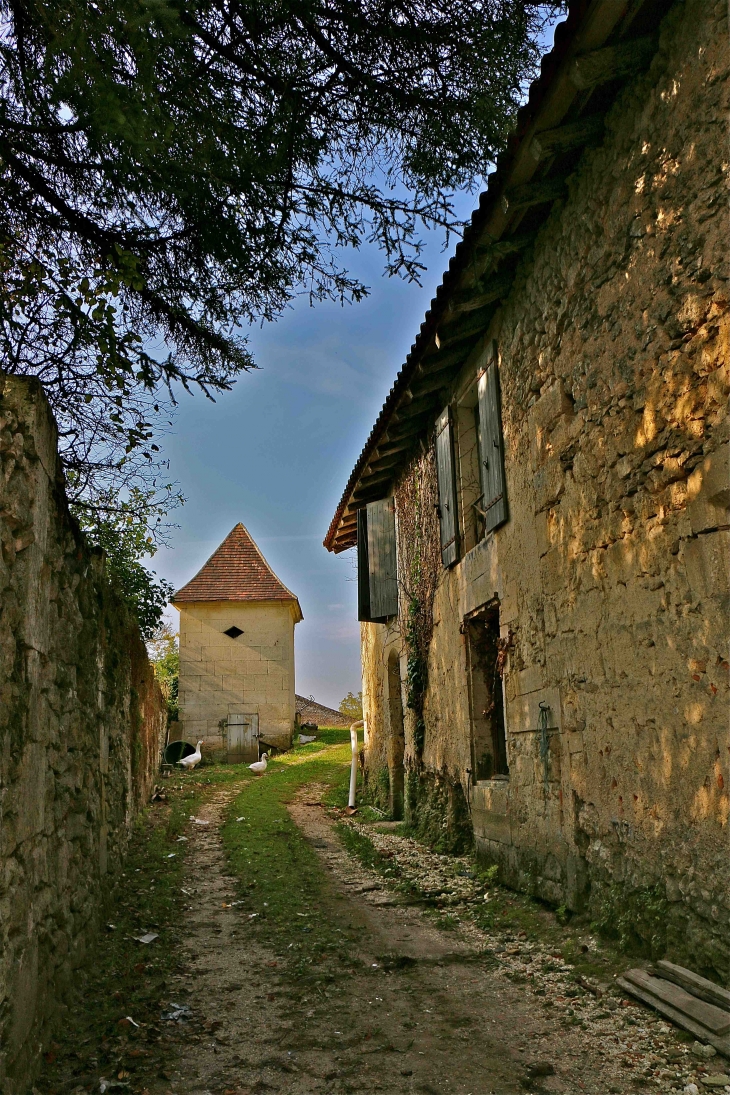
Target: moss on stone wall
{"type": "Point", "coordinates": [437, 812]}
{"type": "Point", "coordinates": [637, 918]}
{"type": "Point", "coordinates": [376, 789]}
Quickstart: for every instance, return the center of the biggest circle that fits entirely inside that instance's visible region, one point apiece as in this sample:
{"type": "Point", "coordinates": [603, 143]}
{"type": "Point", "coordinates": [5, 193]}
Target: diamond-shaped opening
{"type": "Point", "coordinates": [233, 632]}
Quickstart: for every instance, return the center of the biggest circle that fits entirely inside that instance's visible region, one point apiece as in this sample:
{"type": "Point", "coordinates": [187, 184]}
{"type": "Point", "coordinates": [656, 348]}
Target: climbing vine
{"type": "Point", "coordinates": [419, 554]}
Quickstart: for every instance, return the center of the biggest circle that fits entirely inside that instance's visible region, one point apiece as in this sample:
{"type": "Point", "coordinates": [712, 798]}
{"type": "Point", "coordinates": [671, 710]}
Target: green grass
{"type": "Point", "coordinates": [280, 876]}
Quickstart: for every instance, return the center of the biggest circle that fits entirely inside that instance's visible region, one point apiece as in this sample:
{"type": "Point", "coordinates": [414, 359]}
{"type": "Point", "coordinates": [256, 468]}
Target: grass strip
{"type": "Point", "coordinates": [280, 876]}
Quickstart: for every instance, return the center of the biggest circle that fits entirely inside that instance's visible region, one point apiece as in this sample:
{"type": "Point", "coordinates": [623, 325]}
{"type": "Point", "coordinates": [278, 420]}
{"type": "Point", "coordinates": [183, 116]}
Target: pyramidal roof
{"type": "Point", "coordinates": [236, 571]}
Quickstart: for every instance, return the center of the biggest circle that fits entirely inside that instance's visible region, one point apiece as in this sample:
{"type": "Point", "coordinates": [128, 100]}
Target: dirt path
{"type": "Point", "coordinates": [423, 1011]}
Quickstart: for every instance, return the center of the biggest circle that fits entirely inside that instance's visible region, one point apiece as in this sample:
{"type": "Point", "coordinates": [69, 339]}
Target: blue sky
{"type": "Point", "coordinates": [276, 452]}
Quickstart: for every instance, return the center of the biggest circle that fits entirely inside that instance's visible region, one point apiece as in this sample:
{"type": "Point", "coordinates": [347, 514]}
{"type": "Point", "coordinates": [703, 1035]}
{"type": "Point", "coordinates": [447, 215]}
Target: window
{"type": "Point", "coordinates": [377, 566]}
{"type": "Point", "coordinates": [233, 632]}
{"type": "Point", "coordinates": [486, 699]}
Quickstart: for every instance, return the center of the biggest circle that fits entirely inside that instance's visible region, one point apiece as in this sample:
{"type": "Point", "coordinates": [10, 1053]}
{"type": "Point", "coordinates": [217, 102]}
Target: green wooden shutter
{"type": "Point", "coordinates": [448, 517]}
{"type": "Point", "coordinates": [382, 559]}
{"type": "Point", "coordinates": [363, 568]}
{"type": "Point", "coordinates": [491, 448]}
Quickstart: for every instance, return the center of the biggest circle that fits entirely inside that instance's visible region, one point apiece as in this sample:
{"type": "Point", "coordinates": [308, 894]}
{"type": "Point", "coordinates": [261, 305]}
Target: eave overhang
{"type": "Point", "coordinates": [601, 45]}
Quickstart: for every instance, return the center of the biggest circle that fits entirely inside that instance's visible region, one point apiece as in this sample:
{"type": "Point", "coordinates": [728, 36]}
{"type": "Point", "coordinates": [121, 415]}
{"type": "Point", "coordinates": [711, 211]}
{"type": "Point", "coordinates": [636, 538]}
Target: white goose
{"type": "Point", "coordinates": [193, 759]}
{"type": "Point", "coordinates": [259, 766]}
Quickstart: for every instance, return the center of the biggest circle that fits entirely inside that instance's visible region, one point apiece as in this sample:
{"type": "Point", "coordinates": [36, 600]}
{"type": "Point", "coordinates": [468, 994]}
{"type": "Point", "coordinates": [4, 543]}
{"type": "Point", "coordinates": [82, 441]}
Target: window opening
{"type": "Point", "coordinates": [488, 736]}
{"type": "Point", "coordinates": [233, 632]}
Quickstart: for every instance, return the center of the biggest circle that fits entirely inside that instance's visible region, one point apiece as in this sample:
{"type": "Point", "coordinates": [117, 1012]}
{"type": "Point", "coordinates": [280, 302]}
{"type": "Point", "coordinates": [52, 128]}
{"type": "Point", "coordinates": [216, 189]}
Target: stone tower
{"type": "Point", "coordinates": [237, 652]}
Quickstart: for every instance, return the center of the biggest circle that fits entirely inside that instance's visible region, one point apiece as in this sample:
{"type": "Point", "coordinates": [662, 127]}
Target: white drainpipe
{"type": "Point", "coordinates": [353, 769]}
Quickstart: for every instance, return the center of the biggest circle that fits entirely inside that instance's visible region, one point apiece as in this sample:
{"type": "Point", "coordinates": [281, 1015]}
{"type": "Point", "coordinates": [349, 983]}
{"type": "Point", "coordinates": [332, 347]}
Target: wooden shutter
{"type": "Point", "coordinates": [363, 568]}
{"type": "Point", "coordinates": [491, 448]}
{"type": "Point", "coordinates": [448, 517]}
{"type": "Point", "coordinates": [382, 559]}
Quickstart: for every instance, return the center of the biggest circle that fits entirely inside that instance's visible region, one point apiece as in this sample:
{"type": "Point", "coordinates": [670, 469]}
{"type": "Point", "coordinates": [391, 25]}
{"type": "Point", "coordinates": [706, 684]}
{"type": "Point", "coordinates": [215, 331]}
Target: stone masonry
{"type": "Point", "coordinates": [612, 573]}
{"type": "Point", "coordinates": [81, 724]}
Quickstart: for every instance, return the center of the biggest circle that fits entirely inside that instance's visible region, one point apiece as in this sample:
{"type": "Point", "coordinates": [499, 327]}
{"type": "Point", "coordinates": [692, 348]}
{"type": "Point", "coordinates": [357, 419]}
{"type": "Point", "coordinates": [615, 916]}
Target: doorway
{"type": "Point", "coordinates": [397, 741]}
{"type": "Point", "coordinates": [243, 738]}
{"type": "Point", "coordinates": [486, 698]}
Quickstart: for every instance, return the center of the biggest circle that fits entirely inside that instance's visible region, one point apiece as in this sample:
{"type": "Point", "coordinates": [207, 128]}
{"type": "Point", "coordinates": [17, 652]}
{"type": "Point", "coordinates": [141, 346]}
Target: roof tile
{"type": "Point", "coordinates": [236, 571]}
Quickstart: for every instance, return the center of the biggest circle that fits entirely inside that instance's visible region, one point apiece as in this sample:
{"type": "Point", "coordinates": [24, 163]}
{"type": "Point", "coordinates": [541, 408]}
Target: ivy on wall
{"type": "Point", "coordinates": [419, 556]}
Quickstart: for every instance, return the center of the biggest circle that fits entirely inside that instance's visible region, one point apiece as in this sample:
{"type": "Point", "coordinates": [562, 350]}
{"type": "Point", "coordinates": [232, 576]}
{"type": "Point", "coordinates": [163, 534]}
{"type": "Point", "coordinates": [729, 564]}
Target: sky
{"type": "Point", "coordinates": [276, 452]}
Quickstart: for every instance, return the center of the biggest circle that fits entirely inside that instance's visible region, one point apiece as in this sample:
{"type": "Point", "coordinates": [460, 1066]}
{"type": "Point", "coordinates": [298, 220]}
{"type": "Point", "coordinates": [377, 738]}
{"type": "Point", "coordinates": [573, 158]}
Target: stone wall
{"type": "Point", "coordinates": [612, 571]}
{"type": "Point", "coordinates": [252, 673]}
{"type": "Point", "coordinates": [81, 724]}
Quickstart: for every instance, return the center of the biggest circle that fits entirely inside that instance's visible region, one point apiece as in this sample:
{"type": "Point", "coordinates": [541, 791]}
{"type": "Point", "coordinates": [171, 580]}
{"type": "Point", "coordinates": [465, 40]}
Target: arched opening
{"type": "Point", "coordinates": [397, 738]}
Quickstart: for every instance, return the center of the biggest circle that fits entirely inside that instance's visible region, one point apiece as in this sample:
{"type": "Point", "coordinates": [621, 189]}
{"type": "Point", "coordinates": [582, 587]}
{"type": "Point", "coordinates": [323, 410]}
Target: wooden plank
{"type": "Point", "coordinates": [363, 567]}
{"type": "Point", "coordinates": [473, 323]}
{"type": "Point", "coordinates": [507, 246]}
{"type": "Point", "coordinates": [491, 447]}
{"type": "Point", "coordinates": [410, 428]}
{"type": "Point", "coordinates": [722, 1045]}
{"type": "Point", "coordinates": [437, 382]}
{"type": "Point", "coordinates": [447, 359]}
{"type": "Point", "coordinates": [612, 63]}
{"type": "Point", "coordinates": [552, 142]}
{"type": "Point", "coordinates": [485, 291]}
{"type": "Point", "coordinates": [715, 1019]}
{"type": "Point", "coordinates": [445, 472]}
{"type": "Point", "coordinates": [692, 982]}
{"type": "Point", "coordinates": [533, 193]}
{"type": "Point", "coordinates": [382, 561]}
{"type": "Point", "coordinates": [380, 463]}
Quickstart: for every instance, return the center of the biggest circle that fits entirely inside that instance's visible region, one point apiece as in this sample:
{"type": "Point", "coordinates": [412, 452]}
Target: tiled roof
{"type": "Point", "coordinates": [311, 711]}
{"type": "Point", "coordinates": [236, 571]}
{"type": "Point", "coordinates": [553, 98]}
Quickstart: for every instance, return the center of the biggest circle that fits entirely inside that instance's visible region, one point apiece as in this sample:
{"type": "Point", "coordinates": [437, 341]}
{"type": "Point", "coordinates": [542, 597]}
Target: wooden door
{"type": "Point", "coordinates": [243, 735]}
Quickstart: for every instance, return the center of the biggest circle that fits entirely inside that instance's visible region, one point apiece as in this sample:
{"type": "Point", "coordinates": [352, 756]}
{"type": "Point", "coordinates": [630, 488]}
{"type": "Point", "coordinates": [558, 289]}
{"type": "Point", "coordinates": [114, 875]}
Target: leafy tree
{"type": "Point", "coordinates": [125, 541]}
{"type": "Point", "coordinates": [165, 657]}
{"type": "Point", "coordinates": [60, 325]}
{"type": "Point", "coordinates": [173, 170]}
{"type": "Point", "coordinates": [351, 706]}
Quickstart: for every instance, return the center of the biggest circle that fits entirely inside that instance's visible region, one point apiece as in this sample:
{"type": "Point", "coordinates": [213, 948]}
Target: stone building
{"type": "Point", "coordinates": [541, 509]}
{"type": "Point", "coordinates": [237, 652]}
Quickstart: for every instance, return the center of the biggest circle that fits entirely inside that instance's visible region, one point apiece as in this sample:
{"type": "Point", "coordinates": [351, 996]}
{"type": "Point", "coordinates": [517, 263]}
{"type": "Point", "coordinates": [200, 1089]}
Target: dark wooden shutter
{"type": "Point", "coordinates": [363, 568]}
{"type": "Point", "coordinates": [491, 448]}
{"type": "Point", "coordinates": [382, 559]}
{"type": "Point", "coordinates": [448, 517]}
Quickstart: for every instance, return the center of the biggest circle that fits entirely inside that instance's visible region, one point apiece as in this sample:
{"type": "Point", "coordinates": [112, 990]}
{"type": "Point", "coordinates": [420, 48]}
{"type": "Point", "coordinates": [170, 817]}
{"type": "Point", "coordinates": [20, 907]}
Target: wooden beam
{"type": "Point", "coordinates": [484, 292]}
{"type": "Point", "coordinates": [436, 382]}
{"type": "Point", "coordinates": [612, 63]}
{"type": "Point", "coordinates": [507, 246]}
{"type": "Point", "coordinates": [380, 463]}
{"type": "Point", "coordinates": [472, 323]}
{"type": "Point", "coordinates": [409, 429]}
{"type": "Point", "coordinates": [552, 142]}
{"type": "Point", "coordinates": [387, 448]}
{"type": "Point", "coordinates": [371, 492]}
{"type": "Point", "coordinates": [446, 359]}
{"type": "Point", "coordinates": [533, 193]}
